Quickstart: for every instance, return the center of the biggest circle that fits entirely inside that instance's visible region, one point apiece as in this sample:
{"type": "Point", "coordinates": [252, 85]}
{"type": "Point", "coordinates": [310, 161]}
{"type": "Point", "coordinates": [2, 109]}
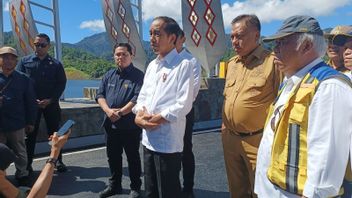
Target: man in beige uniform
{"type": "Point", "coordinates": [251, 86]}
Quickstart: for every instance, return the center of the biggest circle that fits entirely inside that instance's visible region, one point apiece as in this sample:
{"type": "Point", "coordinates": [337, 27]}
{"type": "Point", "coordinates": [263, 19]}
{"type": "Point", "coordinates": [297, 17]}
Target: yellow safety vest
{"type": "Point", "coordinates": [288, 167]}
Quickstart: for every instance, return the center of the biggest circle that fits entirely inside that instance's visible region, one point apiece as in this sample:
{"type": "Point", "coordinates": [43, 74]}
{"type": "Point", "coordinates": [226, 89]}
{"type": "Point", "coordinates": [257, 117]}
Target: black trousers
{"type": "Point", "coordinates": [116, 142]}
{"type": "Point", "coordinates": [52, 117]}
{"type": "Point", "coordinates": [188, 162]}
{"type": "Point", "coordinates": [161, 174]}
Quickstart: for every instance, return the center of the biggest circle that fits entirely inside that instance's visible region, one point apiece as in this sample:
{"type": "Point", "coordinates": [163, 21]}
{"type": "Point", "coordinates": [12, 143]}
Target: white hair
{"type": "Point", "coordinates": [319, 43]}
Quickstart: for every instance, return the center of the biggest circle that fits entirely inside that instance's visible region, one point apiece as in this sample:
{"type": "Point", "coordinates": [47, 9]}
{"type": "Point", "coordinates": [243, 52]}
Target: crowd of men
{"type": "Point", "coordinates": [286, 128]}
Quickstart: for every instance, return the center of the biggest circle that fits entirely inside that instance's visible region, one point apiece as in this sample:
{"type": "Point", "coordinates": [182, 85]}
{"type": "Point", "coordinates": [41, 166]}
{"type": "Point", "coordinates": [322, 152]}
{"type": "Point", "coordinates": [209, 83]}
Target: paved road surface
{"type": "Point", "coordinates": [88, 171]}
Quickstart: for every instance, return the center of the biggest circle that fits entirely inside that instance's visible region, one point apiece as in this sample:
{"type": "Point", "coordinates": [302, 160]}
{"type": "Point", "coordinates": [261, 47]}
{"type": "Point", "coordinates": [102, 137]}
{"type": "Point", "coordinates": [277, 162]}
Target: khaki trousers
{"type": "Point", "coordinates": [240, 154]}
{"type": "Point", "coordinates": [15, 141]}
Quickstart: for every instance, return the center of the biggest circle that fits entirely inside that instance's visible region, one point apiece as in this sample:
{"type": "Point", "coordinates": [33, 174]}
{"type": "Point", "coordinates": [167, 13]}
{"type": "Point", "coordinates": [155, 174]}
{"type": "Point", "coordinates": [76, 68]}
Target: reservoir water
{"type": "Point", "coordinates": [74, 88]}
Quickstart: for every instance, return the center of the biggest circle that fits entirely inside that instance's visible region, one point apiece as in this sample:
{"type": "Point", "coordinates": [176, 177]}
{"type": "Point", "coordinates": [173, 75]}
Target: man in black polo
{"type": "Point", "coordinates": [17, 110]}
{"type": "Point", "coordinates": [117, 95]}
{"type": "Point", "coordinates": [49, 80]}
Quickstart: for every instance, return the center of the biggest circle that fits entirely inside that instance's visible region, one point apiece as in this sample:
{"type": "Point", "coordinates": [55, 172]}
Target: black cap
{"type": "Point", "coordinates": [296, 24]}
{"type": "Point", "coordinates": [344, 34]}
{"type": "Point", "coordinates": [7, 156]}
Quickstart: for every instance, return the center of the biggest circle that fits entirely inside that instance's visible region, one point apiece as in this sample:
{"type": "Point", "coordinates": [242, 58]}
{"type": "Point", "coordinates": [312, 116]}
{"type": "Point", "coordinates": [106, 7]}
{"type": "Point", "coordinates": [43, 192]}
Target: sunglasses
{"type": "Point", "coordinates": [41, 45]}
{"type": "Point", "coordinates": [340, 40]}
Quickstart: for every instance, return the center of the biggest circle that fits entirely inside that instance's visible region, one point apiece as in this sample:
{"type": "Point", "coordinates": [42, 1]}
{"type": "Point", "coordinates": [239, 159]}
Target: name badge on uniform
{"type": "Point", "coordinates": [164, 77]}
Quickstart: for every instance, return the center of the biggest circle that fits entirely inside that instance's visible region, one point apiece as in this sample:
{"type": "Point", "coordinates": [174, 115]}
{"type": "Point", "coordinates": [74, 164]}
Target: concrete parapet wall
{"type": "Point", "coordinates": [208, 105]}
{"type": "Point", "coordinates": [88, 118]}
{"type": "Point", "coordinates": [88, 115]}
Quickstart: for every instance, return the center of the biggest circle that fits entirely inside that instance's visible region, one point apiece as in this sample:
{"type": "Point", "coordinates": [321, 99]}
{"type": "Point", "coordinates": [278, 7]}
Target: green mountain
{"type": "Point", "coordinates": [92, 56]}
{"type": "Point", "coordinates": [100, 45]}
{"type": "Point", "coordinates": [78, 62]}
{"type": "Point", "coordinates": [97, 44]}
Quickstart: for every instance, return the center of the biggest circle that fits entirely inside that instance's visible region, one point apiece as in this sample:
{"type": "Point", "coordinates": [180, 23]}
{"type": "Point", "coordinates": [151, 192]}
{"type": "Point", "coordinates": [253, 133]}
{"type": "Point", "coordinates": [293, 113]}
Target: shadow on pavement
{"type": "Point", "coordinates": [79, 179]}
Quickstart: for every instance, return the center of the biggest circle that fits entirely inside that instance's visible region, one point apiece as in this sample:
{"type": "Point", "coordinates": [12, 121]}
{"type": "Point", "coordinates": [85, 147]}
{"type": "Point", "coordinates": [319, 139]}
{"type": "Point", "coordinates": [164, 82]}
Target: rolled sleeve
{"type": "Point", "coordinates": [313, 191]}
{"type": "Point", "coordinates": [167, 115]}
{"type": "Point", "coordinates": [101, 91]}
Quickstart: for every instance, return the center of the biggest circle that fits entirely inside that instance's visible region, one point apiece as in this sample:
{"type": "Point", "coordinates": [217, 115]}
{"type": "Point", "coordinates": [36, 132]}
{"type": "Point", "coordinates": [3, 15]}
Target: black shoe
{"type": "Point", "coordinates": [61, 167]}
{"type": "Point", "coordinates": [23, 181]}
{"type": "Point", "coordinates": [135, 194]}
{"type": "Point", "coordinates": [109, 191]}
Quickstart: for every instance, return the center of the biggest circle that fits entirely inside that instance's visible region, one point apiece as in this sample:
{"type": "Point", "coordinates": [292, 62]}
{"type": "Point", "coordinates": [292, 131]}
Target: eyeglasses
{"type": "Point", "coordinates": [41, 45]}
{"type": "Point", "coordinates": [340, 39]}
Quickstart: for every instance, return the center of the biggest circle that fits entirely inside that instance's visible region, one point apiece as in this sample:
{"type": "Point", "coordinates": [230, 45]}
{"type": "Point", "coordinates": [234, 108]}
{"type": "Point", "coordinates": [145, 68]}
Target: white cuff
{"type": "Point", "coordinates": [168, 116]}
{"type": "Point", "coordinates": [312, 191]}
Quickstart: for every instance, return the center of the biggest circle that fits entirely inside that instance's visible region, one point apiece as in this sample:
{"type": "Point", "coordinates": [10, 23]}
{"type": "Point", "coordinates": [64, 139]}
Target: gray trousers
{"type": "Point", "coordinates": [15, 141]}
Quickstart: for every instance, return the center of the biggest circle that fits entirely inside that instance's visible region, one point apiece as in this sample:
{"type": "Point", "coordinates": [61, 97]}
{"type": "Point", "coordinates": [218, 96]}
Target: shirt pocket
{"type": "Point", "coordinates": [29, 68]}
{"type": "Point", "coordinates": [257, 86]}
{"type": "Point", "coordinates": [300, 106]}
{"type": "Point", "coordinates": [229, 85]}
{"type": "Point", "coordinates": [49, 74]}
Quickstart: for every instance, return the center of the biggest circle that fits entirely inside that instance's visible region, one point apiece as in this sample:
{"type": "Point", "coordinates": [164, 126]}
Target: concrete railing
{"type": "Point", "coordinates": [88, 115]}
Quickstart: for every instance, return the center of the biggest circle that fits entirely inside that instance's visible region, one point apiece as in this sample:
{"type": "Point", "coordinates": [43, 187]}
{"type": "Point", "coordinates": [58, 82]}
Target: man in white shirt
{"type": "Point", "coordinates": [344, 39]}
{"type": "Point", "coordinates": [164, 101]}
{"type": "Point", "coordinates": [188, 163]}
{"type": "Point", "coordinates": [305, 145]}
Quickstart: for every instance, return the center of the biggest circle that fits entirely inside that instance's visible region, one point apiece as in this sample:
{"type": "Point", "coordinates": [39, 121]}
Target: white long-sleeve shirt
{"type": "Point", "coordinates": [328, 139]}
{"type": "Point", "coordinates": [196, 70]}
{"type": "Point", "coordinates": [168, 90]}
{"type": "Point", "coordinates": [349, 74]}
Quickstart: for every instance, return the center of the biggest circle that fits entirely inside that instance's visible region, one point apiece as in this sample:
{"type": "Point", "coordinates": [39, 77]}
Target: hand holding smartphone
{"type": "Point", "coordinates": [64, 129]}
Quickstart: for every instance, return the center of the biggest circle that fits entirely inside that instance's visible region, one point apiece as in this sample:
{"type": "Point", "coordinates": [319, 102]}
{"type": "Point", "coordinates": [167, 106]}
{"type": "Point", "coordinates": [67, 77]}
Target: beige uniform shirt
{"type": "Point", "coordinates": [251, 86]}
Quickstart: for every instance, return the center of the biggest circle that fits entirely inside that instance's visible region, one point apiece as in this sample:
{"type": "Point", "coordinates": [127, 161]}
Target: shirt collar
{"type": "Point", "coordinates": [125, 70]}
{"type": "Point", "coordinates": [255, 54]}
{"type": "Point", "coordinates": [35, 57]}
{"type": "Point", "coordinates": [183, 51]}
{"type": "Point", "coordinates": [297, 77]}
{"type": "Point", "coordinates": [168, 58]}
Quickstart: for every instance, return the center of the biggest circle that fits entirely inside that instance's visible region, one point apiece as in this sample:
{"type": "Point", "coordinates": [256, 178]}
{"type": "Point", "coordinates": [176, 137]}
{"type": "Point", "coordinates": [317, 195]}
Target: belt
{"type": "Point", "coordinates": [245, 134]}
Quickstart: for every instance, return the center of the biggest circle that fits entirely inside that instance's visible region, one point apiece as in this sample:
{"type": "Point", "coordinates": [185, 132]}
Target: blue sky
{"type": "Point", "coordinates": [81, 18]}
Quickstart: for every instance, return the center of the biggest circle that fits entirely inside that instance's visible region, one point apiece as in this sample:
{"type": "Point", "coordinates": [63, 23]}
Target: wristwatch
{"type": "Point", "coordinates": [52, 161]}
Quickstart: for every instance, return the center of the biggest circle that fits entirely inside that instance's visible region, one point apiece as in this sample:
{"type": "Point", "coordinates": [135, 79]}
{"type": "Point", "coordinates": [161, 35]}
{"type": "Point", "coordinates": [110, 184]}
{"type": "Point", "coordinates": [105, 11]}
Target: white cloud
{"type": "Point", "coordinates": [94, 25]}
{"type": "Point", "coordinates": [170, 8]}
{"type": "Point", "coordinates": [269, 10]}
{"type": "Point", "coordinates": [6, 6]}
{"type": "Point", "coordinates": [266, 10]}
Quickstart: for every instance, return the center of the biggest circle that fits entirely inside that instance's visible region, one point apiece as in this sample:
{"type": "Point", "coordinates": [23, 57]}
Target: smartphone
{"type": "Point", "coordinates": [65, 128]}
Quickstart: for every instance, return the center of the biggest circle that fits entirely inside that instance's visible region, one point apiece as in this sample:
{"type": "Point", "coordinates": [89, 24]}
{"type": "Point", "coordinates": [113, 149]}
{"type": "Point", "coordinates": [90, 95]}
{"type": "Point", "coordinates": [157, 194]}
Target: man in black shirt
{"type": "Point", "coordinates": [117, 95]}
{"type": "Point", "coordinates": [17, 110]}
{"type": "Point", "coordinates": [49, 80]}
